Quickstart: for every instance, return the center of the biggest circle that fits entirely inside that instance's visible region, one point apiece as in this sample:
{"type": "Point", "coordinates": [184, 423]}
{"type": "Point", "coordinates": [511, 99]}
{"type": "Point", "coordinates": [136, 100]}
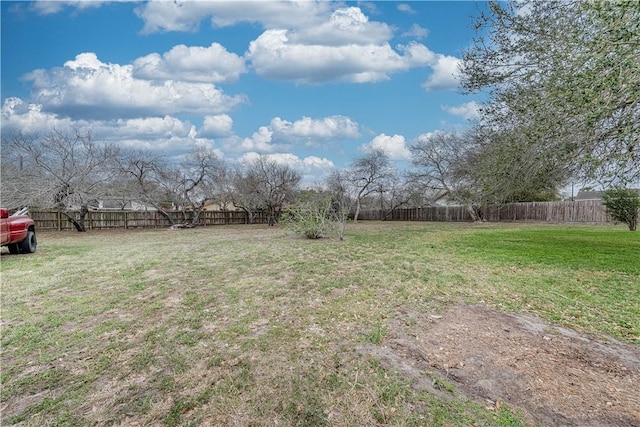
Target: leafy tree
{"type": "Point", "coordinates": [508, 167]}
{"type": "Point", "coordinates": [623, 204]}
{"type": "Point", "coordinates": [565, 76]}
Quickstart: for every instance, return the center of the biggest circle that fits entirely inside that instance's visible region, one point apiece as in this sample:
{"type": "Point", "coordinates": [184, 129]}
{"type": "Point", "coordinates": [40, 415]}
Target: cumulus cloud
{"type": "Point", "coordinates": [347, 47]}
{"type": "Point", "coordinates": [87, 86]}
{"type": "Point", "coordinates": [260, 141]}
{"type": "Point", "coordinates": [281, 134]}
{"type": "Point", "coordinates": [304, 42]}
{"type": "Point", "coordinates": [345, 26]}
{"type": "Point", "coordinates": [166, 133]}
{"type": "Point", "coordinates": [213, 64]}
{"type": "Point", "coordinates": [469, 110]}
{"type": "Point", "coordinates": [393, 146]}
{"type": "Point", "coordinates": [274, 55]}
{"type": "Point", "coordinates": [445, 73]}
{"type": "Point", "coordinates": [217, 126]}
{"type": "Point", "coordinates": [18, 115]}
{"type": "Point", "coordinates": [325, 128]}
{"type": "Point", "coordinates": [186, 16]}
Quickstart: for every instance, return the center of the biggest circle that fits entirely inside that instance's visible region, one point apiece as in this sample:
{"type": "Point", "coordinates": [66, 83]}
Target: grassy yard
{"type": "Point", "coordinates": [253, 326]}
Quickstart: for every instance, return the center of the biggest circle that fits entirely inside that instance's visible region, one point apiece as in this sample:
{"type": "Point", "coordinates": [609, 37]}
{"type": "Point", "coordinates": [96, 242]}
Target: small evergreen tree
{"type": "Point", "coordinates": [623, 204]}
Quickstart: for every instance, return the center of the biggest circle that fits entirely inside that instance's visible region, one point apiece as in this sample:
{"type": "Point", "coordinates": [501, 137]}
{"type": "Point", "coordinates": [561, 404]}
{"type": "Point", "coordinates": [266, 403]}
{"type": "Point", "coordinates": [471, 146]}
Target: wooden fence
{"type": "Point", "coordinates": [108, 219]}
{"type": "Point", "coordinates": [587, 211]}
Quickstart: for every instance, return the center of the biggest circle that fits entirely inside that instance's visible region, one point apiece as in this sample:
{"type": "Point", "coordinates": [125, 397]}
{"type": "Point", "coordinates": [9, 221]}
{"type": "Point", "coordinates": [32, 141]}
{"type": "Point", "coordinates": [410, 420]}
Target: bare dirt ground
{"type": "Point", "coordinates": [553, 375]}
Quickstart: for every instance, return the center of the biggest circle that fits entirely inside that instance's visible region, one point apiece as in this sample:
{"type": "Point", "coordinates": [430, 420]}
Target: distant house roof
{"type": "Point", "coordinates": [594, 195]}
{"type": "Point", "coordinates": [589, 195]}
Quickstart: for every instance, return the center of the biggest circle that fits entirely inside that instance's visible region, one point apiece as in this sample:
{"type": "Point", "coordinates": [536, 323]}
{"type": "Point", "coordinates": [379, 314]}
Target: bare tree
{"type": "Point", "coordinates": [143, 180]}
{"type": "Point", "coordinates": [440, 170]}
{"type": "Point", "coordinates": [339, 186]}
{"type": "Point", "coordinates": [397, 194]}
{"type": "Point", "coordinates": [66, 171]}
{"type": "Point", "coordinates": [264, 184]}
{"type": "Point", "coordinates": [196, 179]}
{"type": "Point", "coordinates": [369, 174]}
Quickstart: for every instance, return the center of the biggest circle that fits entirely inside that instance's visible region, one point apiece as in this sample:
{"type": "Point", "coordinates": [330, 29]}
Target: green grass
{"type": "Point", "coordinates": [252, 326]}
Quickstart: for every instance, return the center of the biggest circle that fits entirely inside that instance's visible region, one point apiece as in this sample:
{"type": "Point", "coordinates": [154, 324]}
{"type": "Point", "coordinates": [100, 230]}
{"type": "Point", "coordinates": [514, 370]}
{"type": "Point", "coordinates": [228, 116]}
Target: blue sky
{"type": "Point", "coordinates": [312, 84]}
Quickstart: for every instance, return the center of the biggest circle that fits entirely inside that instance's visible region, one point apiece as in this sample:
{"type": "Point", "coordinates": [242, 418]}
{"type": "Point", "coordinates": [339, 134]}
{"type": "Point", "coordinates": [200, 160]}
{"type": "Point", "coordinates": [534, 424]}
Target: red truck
{"type": "Point", "coordinates": [17, 232]}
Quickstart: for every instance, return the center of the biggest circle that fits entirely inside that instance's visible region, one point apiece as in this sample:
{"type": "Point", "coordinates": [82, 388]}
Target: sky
{"type": "Point", "coordinates": [310, 84]}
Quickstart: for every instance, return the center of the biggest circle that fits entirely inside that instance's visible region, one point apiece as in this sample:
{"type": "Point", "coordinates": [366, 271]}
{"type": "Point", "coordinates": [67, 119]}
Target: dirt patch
{"type": "Point", "coordinates": [553, 375]}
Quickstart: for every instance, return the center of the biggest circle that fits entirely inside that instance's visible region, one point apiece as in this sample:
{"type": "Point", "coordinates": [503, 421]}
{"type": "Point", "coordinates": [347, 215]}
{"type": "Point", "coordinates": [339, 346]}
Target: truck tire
{"type": "Point", "coordinates": [13, 248]}
{"type": "Point", "coordinates": [28, 245]}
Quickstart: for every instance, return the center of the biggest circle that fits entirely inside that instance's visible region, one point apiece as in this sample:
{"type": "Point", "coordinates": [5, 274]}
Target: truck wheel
{"type": "Point", "coordinates": [13, 248]}
{"type": "Point", "coordinates": [28, 245]}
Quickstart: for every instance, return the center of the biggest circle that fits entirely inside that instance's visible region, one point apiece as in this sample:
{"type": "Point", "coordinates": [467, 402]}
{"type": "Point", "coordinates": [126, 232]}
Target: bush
{"type": "Point", "coordinates": [316, 217]}
{"type": "Point", "coordinates": [623, 204]}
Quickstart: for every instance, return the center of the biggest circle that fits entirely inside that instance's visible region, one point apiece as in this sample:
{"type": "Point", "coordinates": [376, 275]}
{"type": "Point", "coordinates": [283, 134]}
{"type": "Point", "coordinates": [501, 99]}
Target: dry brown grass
{"type": "Point", "coordinates": [230, 326]}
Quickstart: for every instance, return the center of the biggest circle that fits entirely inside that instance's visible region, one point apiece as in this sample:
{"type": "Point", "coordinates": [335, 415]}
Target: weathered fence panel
{"type": "Point", "coordinates": [588, 211]}
{"type": "Point", "coordinates": [110, 219]}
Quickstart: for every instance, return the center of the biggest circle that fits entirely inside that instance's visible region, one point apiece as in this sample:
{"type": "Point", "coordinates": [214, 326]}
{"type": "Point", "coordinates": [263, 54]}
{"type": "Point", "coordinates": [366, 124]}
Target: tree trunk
{"type": "Point", "coordinates": [79, 225]}
{"type": "Point", "coordinates": [355, 216]}
{"type": "Point", "coordinates": [474, 214]}
{"type": "Point", "coordinates": [166, 215]}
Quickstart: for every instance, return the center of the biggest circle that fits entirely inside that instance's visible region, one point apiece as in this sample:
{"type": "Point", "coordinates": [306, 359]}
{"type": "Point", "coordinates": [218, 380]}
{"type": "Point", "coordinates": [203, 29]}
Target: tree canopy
{"type": "Point", "coordinates": [565, 78]}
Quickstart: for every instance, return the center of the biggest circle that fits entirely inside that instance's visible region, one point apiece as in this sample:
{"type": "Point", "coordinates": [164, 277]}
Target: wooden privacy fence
{"type": "Point", "coordinates": [589, 211]}
{"type": "Point", "coordinates": [106, 219]}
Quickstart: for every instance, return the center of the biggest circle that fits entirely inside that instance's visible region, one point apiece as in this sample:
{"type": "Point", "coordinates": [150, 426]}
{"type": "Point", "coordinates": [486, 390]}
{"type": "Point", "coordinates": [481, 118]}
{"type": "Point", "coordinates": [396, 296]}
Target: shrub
{"type": "Point", "coordinates": [316, 217]}
{"type": "Point", "coordinates": [623, 204]}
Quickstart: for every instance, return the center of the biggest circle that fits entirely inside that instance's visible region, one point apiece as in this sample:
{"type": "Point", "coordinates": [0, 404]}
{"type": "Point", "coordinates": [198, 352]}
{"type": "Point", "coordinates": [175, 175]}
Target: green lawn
{"type": "Point", "coordinates": [253, 326]}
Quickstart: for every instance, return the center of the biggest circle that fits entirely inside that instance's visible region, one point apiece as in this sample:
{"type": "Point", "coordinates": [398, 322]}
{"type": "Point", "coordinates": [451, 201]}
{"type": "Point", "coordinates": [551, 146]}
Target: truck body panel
{"type": "Point", "coordinates": [17, 232]}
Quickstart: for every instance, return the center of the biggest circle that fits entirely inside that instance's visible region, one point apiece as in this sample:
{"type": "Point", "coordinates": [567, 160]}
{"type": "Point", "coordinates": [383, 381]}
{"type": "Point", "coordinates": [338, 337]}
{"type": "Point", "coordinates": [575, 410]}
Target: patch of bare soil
{"type": "Point", "coordinates": [555, 376]}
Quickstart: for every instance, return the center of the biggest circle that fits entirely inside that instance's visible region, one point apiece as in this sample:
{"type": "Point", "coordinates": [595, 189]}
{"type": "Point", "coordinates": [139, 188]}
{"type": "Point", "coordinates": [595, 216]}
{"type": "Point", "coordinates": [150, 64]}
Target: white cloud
{"type": "Point", "coordinates": [216, 126]}
{"type": "Point", "coordinates": [186, 16]}
{"type": "Point", "coordinates": [304, 42]}
{"type": "Point", "coordinates": [86, 86]}
{"type": "Point", "coordinates": [393, 146]}
{"type": "Point", "coordinates": [416, 31]}
{"type": "Point", "coordinates": [345, 26]}
{"type": "Point", "coordinates": [403, 7]}
{"type": "Point", "coordinates": [18, 115]}
{"type": "Point", "coordinates": [469, 110]}
{"type": "Point", "coordinates": [167, 134]}
{"type": "Point", "coordinates": [48, 7]}
{"type": "Point", "coordinates": [260, 141]}
{"type": "Point", "coordinates": [445, 73]}
{"type": "Point", "coordinates": [213, 64]}
{"type": "Point", "coordinates": [326, 128]}
{"type": "Point", "coordinates": [273, 55]}
{"type": "Point", "coordinates": [281, 134]}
